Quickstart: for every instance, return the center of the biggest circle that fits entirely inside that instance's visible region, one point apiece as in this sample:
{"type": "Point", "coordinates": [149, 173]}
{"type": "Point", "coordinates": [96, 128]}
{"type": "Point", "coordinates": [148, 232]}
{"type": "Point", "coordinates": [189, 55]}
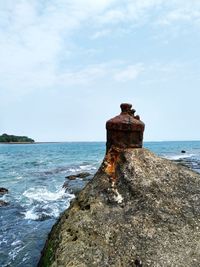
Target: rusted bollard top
{"type": "Point", "coordinates": [125, 130]}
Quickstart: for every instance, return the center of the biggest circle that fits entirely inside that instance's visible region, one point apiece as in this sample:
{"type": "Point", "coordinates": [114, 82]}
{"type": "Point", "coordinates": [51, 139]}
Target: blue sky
{"type": "Point", "coordinates": [67, 65]}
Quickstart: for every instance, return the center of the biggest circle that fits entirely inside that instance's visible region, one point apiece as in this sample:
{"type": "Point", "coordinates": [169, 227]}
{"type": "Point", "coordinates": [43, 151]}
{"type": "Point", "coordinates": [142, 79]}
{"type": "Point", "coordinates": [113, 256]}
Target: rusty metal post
{"type": "Point", "coordinates": [125, 130]}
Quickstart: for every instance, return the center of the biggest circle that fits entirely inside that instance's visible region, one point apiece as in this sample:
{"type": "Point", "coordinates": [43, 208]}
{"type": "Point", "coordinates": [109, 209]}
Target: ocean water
{"type": "Point", "coordinates": [34, 175]}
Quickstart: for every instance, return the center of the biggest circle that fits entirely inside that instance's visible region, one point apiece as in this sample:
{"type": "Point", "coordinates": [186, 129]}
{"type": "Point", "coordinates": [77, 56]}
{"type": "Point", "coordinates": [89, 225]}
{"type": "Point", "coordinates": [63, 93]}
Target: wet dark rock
{"type": "Point", "coordinates": [3, 191]}
{"type": "Point", "coordinates": [79, 175]}
{"type": "Point", "coordinates": [71, 177]}
{"type": "Point", "coordinates": [183, 151]}
{"type": "Point", "coordinates": [3, 203]}
{"type": "Point", "coordinates": [74, 187]}
{"type": "Point", "coordinates": [66, 184]}
{"type": "Point", "coordinates": [138, 210]}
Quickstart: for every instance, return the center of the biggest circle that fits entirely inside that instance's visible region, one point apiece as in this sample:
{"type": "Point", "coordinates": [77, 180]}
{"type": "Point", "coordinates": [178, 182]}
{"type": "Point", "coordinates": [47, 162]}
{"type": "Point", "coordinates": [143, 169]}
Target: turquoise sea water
{"type": "Point", "coordinates": [34, 175]}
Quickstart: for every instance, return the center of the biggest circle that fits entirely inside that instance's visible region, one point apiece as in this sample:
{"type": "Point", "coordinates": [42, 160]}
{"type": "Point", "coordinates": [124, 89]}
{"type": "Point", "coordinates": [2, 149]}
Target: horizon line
{"type": "Point", "coordinates": [104, 141]}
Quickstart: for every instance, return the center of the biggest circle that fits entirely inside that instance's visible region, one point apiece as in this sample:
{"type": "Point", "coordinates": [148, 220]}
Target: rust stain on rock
{"type": "Point", "coordinates": [111, 163]}
{"type": "Point", "coordinates": [110, 167]}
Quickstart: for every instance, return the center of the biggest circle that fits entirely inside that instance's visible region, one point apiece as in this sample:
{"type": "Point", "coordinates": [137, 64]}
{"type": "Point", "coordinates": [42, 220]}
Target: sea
{"type": "Point", "coordinates": [34, 174]}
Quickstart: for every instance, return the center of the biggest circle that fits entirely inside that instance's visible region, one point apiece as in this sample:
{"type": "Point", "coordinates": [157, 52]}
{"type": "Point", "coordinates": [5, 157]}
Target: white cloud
{"type": "Point", "coordinates": [84, 76]}
{"type": "Point", "coordinates": [130, 11]}
{"type": "Point", "coordinates": [159, 12]}
{"type": "Point", "coordinates": [101, 33]}
{"type": "Point", "coordinates": [114, 71]}
{"type": "Point", "coordinates": [129, 73]}
{"type": "Point", "coordinates": [36, 37]}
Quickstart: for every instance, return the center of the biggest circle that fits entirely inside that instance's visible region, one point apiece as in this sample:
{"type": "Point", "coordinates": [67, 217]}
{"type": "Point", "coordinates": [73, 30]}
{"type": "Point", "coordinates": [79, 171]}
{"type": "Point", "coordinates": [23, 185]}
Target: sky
{"type": "Point", "coordinates": [67, 65]}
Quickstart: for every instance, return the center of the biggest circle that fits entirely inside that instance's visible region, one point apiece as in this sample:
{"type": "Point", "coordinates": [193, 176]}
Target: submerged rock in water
{"type": "Point", "coordinates": [3, 203]}
{"type": "Point", "coordinates": [3, 191]}
{"type": "Point", "coordinates": [138, 210]}
{"type": "Point", "coordinates": [79, 175]}
{"type": "Point", "coordinates": [73, 186]}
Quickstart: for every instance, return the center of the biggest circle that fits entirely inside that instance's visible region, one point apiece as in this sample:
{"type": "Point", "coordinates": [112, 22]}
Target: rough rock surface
{"type": "Point", "coordinates": [138, 208]}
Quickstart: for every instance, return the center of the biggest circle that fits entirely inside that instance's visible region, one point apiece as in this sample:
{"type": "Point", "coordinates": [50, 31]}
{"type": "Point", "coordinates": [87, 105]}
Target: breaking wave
{"type": "Point", "coordinates": [43, 194]}
{"type": "Point", "coordinates": [41, 214]}
{"type": "Point", "coordinates": [45, 204]}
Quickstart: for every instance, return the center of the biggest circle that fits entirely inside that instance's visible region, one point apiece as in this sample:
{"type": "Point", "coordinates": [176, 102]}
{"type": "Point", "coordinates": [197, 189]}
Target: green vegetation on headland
{"type": "Point", "coordinates": [6, 138]}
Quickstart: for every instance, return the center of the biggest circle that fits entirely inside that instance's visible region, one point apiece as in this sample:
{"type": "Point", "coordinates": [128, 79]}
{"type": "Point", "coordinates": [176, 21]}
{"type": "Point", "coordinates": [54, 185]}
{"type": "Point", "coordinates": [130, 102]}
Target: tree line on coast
{"type": "Point", "coordinates": [6, 138]}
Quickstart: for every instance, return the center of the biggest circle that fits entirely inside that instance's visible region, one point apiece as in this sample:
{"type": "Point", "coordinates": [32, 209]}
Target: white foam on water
{"type": "Point", "coordinates": [4, 241]}
{"type": "Point", "coordinates": [14, 252]}
{"type": "Point", "coordinates": [3, 197]}
{"type": "Point", "coordinates": [43, 212]}
{"type": "Point", "coordinates": [26, 257]}
{"type": "Point", "coordinates": [82, 168]}
{"type": "Point", "coordinates": [74, 169]}
{"type": "Point", "coordinates": [47, 206]}
{"type": "Point", "coordinates": [15, 243]}
{"type": "Point", "coordinates": [176, 157]}
{"type": "Point", "coordinates": [19, 177]}
{"type": "Point", "coordinates": [42, 194]}
{"type": "Point", "coordinates": [87, 167]}
{"type": "Point", "coordinates": [30, 215]}
{"type": "Point", "coordinates": [35, 213]}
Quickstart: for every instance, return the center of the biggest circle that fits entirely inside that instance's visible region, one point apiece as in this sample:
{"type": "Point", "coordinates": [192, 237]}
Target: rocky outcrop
{"type": "Point", "coordinates": [138, 210]}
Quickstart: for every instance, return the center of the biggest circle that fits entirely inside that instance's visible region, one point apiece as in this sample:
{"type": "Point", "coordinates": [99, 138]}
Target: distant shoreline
{"type": "Point", "coordinates": [62, 142]}
{"type": "Point", "coordinates": [55, 142]}
{"type": "Point", "coordinates": [15, 143]}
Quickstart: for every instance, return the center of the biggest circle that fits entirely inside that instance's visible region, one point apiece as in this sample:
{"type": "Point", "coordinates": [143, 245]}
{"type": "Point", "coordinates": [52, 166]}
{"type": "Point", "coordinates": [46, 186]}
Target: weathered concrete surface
{"type": "Point", "coordinates": [138, 207]}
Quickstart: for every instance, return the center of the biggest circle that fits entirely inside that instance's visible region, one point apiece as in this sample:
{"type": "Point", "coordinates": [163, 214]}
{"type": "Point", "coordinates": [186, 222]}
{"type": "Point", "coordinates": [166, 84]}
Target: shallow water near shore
{"type": "Point", "coordinates": [34, 175]}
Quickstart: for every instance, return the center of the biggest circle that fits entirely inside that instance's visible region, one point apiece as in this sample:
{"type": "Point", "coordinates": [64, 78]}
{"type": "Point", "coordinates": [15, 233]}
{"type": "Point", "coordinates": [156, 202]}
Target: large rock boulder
{"type": "Point", "coordinates": [138, 210]}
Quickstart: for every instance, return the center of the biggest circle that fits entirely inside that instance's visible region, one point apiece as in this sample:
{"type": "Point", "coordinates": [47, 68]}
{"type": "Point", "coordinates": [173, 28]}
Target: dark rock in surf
{"type": "Point", "coordinates": [66, 184]}
{"type": "Point", "coordinates": [3, 191]}
{"type": "Point", "coordinates": [3, 203]}
{"type": "Point", "coordinates": [79, 175]}
{"type": "Point", "coordinates": [73, 186]}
